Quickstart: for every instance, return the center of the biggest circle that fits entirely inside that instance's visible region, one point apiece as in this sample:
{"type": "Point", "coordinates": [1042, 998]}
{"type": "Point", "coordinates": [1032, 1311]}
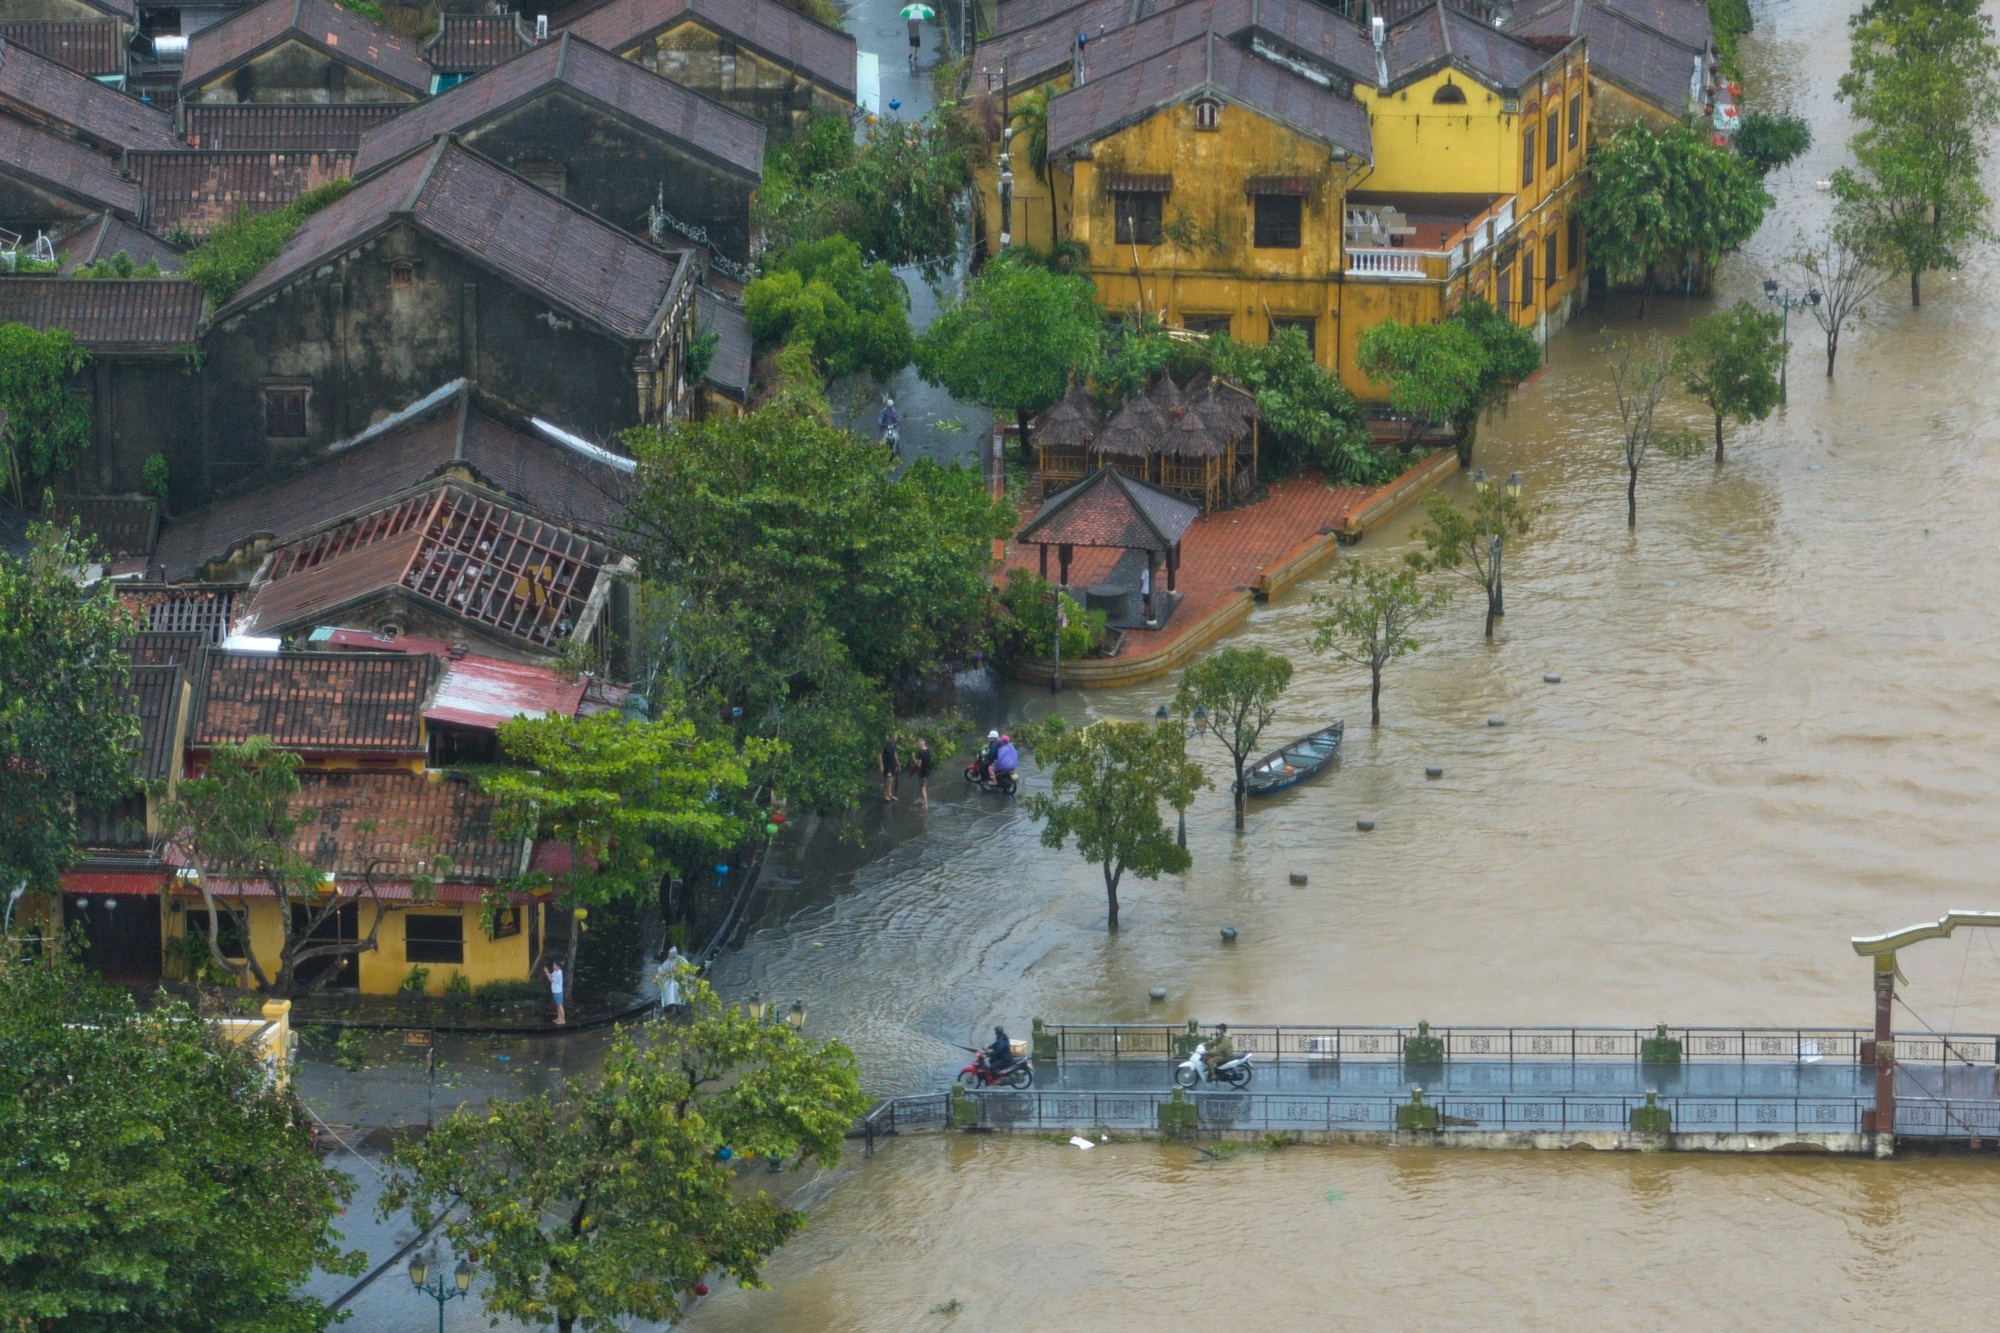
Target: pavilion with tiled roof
{"type": "Point", "coordinates": [1110, 508]}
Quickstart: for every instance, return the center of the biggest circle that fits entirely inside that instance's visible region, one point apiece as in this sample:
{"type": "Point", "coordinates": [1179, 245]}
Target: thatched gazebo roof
{"type": "Point", "coordinates": [1072, 423]}
{"type": "Point", "coordinates": [1227, 409]}
{"type": "Point", "coordinates": [1135, 431]}
{"type": "Point", "coordinates": [1166, 393]}
{"type": "Point", "coordinates": [1189, 435]}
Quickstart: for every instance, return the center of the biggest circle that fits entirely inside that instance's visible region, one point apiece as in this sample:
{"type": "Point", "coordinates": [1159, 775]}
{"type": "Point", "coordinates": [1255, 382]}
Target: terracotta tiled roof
{"type": "Point", "coordinates": [468, 42]}
{"type": "Point", "coordinates": [539, 242]}
{"type": "Point", "coordinates": [1109, 508]}
{"type": "Point", "coordinates": [367, 475]}
{"type": "Point", "coordinates": [397, 823]}
{"type": "Point", "coordinates": [315, 702]}
{"type": "Point", "coordinates": [1124, 97]}
{"type": "Point", "coordinates": [42, 90]}
{"type": "Point", "coordinates": [91, 47]}
{"type": "Point", "coordinates": [156, 698]}
{"type": "Point", "coordinates": [207, 610]}
{"type": "Point", "coordinates": [107, 235]}
{"type": "Point", "coordinates": [122, 524]}
{"type": "Point", "coordinates": [200, 190]}
{"type": "Point", "coordinates": [462, 553]}
{"type": "Point", "coordinates": [284, 128]}
{"type": "Point", "coordinates": [108, 315]}
{"type": "Point", "coordinates": [704, 127]}
{"type": "Point", "coordinates": [1624, 50]}
{"type": "Point", "coordinates": [339, 33]}
{"type": "Point", "coordinates": [1685, 21]}
{"type": "Point", "coordinates": [1439, 35]}
{"type": "Point", "coordinates": [773, 30]}
{"type": "Point", "coordinates": [65, 167]}
{"type": "Point", "coordinates": [729, 371]}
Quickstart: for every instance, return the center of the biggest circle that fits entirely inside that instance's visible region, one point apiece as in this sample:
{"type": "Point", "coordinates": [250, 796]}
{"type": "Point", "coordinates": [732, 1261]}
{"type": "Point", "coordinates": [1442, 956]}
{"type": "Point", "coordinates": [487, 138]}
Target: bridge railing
{"type": "Point", "coordinates": [1112, 1041]}
{"type": "Point", "coordinates": [926, 1111]}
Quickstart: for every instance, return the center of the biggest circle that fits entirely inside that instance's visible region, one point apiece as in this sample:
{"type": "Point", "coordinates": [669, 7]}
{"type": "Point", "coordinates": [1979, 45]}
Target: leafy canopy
{"type": "Point", "coordinates": [608, 1201]}
{"type": "Point", "coordinates": [1729, 361]}
{"type": "Point", "coordinates": [1433, 370]}
{"type": "Point", "coordinates": [1462, 543]}
{"type": "Point", "coordinates": [1014, 340]}
{"type": "Point", "coordinates": [1309, 417]}
{"type": "Point", "coordinates": [1106, 784]}
{"type": "Point", "coordinates": [44, 428]}
{"type": "Point", "coordinates": [1769, 139]}
{"type": "Point", "coordinates": [62, 742]}
{"type": "Point", "coordinates": [1026, 626]}
{"type": "Point", "coordinates": [1372, 622]}
{"type": "Point", "coordinates": [154, 1178]}
{"type": "Point", "coordinates": [1237, 690]}
{"type": "Point", "coordinates": [119, 265]}
{"type": "Point", "coordinates": [235, 251]}
{"type": "Point", "coordinates": [853, 316]}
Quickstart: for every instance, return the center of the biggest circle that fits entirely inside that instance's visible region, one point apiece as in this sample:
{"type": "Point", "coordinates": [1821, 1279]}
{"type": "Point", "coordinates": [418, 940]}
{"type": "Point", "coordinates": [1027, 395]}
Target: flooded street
{"type": "Point", "coordinates": [1774, 729]}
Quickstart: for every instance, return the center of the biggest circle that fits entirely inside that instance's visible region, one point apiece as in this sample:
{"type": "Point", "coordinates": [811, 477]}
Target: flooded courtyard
{"type": "Point", "coordinates": [1773, 730]}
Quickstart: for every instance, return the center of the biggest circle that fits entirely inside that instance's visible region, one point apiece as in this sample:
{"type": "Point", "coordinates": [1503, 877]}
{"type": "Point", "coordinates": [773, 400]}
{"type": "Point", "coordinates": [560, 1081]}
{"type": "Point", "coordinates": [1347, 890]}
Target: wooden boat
{"type": "Point", "coordinates": [1294, 763]}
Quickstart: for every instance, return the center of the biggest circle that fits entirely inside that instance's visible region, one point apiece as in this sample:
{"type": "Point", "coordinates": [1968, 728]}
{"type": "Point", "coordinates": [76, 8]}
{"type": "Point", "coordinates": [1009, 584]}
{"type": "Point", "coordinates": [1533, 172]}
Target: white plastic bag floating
{"type": "Point", "coordinates": [1081, 1141]}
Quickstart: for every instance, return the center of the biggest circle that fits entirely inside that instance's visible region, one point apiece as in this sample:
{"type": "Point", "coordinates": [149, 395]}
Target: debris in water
{"type": "Point", "coordinates": [1081, 1142]}
{"type": "Point", "coordinates": [1335, 1196]}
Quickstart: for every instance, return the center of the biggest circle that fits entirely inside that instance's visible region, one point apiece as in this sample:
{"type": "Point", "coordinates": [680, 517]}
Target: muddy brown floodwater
{"type": "Point", "coordinates": [1775, 728]}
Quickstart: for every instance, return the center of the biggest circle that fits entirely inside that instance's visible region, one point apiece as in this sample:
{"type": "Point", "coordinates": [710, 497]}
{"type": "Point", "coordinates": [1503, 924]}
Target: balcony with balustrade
{"type": "Point", "coordinates": [1420, 237]}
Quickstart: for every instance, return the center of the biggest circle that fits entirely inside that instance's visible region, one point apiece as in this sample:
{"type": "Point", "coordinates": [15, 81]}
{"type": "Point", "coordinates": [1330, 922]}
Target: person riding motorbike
{"type": "Point", "coordinates": [1005, 760]}
{"type": "Point", "coordinates": [1220, 1049]}
{"type": "Point", "coordinates": [1001, 1053]}
{"type": "Point", "coordinates": [982, 761]}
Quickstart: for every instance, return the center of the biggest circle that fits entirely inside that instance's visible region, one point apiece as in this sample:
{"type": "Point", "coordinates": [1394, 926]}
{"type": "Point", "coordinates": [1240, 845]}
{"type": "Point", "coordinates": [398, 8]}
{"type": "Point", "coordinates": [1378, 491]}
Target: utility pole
{"type": "Point", "coordinates": [1006, 162]}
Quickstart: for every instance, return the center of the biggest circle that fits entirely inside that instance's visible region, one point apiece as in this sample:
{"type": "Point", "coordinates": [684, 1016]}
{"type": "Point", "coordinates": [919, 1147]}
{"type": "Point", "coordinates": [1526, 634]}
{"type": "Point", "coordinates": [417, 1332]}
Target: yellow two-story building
{"type": "Point", "coordinates": [1247, 165]}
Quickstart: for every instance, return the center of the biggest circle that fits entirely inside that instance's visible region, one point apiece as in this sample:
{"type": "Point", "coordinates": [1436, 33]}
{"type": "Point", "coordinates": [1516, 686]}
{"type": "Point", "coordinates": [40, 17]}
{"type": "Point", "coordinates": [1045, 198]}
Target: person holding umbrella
{"type": "Point", "coordinates": [915, 14]}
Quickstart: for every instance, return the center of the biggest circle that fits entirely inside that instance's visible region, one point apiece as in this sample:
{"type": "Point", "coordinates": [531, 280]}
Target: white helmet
{"type": "Point", "coordinates": [992, 735]}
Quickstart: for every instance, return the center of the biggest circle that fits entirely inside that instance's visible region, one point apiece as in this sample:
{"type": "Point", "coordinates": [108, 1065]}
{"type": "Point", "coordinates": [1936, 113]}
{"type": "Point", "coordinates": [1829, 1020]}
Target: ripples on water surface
{"type": "Point", "coordinates": [1774, 730]}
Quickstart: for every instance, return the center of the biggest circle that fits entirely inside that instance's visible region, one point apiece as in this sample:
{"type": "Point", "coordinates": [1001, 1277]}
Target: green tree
{"type": "Point", "coordinates": [1372, 623]}
{"type": "Point", "coordinates": [623, 797]}
{"type": "Point", "coordinates": [44, 428]}
{"type": "Point", "coordinates": [1769, 139]}
{"type": "Point", "coordinates": [234, 252]}
{"type": "Point", "coordinates": [794, 585]}
{"type": "Point", "coordinates": [1434, 371]}
{"type": "Point", "coordinates": [1015, 339]}
{"type": "Point", "coordinates": [237, 825]}
{"type": "Point", "coordinates": [1729, 360]}
{"type": "Point", "coordinates": [607, 1202]}
{"type": "Point", "coordinates": [1846, 270]}
{"type": "Point", "coordinates": [1656, 198]}
{"type": "Point", "coordinates": [853, 316]}
{"type": "Point", "coordinates": [1309, 417]}
{"type": "Point", "coordinates": [1237, 690]}
{"type": "Point", "coordinates": [1028, 626]}
{"type": "Point", "coordinates": [1924, 81]}
{"type": "Point", "coordinates": [1031, 138]}
{"type": "Point", "coordinates": [64, 743]}
{"type": "Point", "coordinates": [1640, 372]}
{"type": "Point", "coordinates": [1106, 783]}
{"type": "Point", "coordinates": [1472, 545]}
{"type": "Point", "coordinates": [155, 1178]}
{"type": "Point", "coordinates": [1729, 20]}
{"type": "Point", "coordinates": [1512, 354]}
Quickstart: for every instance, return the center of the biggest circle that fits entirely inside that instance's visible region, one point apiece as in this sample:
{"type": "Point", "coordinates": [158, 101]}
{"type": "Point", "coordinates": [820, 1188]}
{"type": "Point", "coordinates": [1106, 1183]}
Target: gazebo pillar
{"type": "Point", "coordinates": [1151, 576]}
{"type": "Point", "coordinates": [1063, 553]}
{"type": "Point", "coordinates": [1043, 547]}
{"type": "Point", "coordinates": [1173, 564]}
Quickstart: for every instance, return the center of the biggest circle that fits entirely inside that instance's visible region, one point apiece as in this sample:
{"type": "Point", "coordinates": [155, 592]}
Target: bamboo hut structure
{"type": "Point", "coordinates": [1063, 438]}
{"type": "Point", "coordinates": [1132, 439]}
{"type": "Point", "coordinates": [1196, 460]}
{"type": "Point", "coordinates": [1232, 413]}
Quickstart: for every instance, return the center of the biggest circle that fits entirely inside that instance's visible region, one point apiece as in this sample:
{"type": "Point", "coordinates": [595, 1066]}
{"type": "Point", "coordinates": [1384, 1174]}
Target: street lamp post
{"type": "Point", "coordinates": [1198, 726]}
{"type": "Point", "coordinates": [440, 1290]}
{"type": "Point", "coordinates": [1512, 489]}
{"type": "Point", "coordinates": [1787, 303]}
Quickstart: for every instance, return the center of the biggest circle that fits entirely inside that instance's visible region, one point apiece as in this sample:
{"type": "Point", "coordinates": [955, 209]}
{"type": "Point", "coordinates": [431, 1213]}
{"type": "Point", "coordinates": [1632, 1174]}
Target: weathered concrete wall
{"type": "Point", "coordinates": [616, 171]}
{"type": "Point", "coordinates": [27, 209]}
{"type": "Point", "coordinates": [364, 349]}
{"type": "Point", "coordinates": [292, 73]}
{"type": "Point", "coordinates": [140, 408]}
{"type": "Point", "coordinates": [694, 57]}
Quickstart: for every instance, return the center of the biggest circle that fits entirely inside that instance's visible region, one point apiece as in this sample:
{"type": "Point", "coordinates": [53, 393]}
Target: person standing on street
{"type": "Point", "coordinates": [916, 42]}
{"type": "Point", "coordinates": [920, 765]}
{"type": "Point", "coordinates": [891, 770]}
{"type": "Point", "coordinates": [555, 974]}
{"type": "Point", "coordinates": [670, 979]}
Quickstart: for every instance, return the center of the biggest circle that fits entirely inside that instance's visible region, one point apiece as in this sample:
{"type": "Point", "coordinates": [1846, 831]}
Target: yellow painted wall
{"type": "Point", "coordinates": [382, 969]}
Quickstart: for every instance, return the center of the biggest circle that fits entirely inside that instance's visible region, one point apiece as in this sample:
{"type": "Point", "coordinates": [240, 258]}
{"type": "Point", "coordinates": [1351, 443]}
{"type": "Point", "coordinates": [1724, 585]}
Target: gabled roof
{"type": "Point", "coordinates": [337, 33]}
{"type": "Point", "coordinates": [388, 464]}
{"type": "Point", "coordinates": [1110, 102]}
{"type": "Point", "coordinates": [525, 235]}
{"type": "Point", "coordinates": [42, 91]}
{"type": "Point", "coordinates": [467, 42]}
{"type": "Point", "coordinates": [621, 88]}
{"type": "Point", "coordinates": [1686, 22]}
{"type": "Point", "coordinates": [89, 47]}
{"type": "Point", "coordinates": [729, 369]}
{"type": "Point", "coordinates": [108, 315]}
{"type": "Point", "coordinates": [283, 127]}
{"type": "Point", "coordinates": [1015, 15]}
{"type": "Point", "coordinates": [65, 167]}
{"type": "Point", "coordinates": [316, 702]}
{"type": "Point", "coordinates": [121, 9]}
{"type": "Point", "coordinates": [1438, 36]}
{"type": "Point", "coordinates": [200, 190]}
{"type": "Point", "coordinates": [463, 553]}
{"type": "Point", "coordinates": [1625, 52]}
{"type": "Point", "coordinates": [123, 525]}
{"type": "Point", "coordinates": [1108, 508]}
{"type": "Point", "coordinates": [775, 31]}
{"type": "Point", "coordinates": [107, 235]}
{"type": "Point", "coordinates": [398, 824]}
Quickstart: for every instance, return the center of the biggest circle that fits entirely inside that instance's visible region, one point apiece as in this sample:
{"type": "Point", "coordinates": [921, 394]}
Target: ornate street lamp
{"type": "Point", "coordinates": [796, 1016]}
{"type": "Point", "coordinates": [441, 1291]}
{"type": "Point", "coordinates": [1787, 303]}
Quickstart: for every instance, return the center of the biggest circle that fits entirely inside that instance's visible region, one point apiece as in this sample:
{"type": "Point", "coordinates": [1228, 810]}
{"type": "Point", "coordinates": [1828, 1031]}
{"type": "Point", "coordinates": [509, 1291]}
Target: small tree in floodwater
{"type": "Point", "coordinates": [1370, 626]}
{"type": "Point", "coordinates": [1470, 545]}
{"type": "Point", "coordinates": [1107, 781]}
{"type": "Point", "coordinates": [1730, 361]}
{"type": "Point", "coordinates": [1640, 372]}
{"type": "Point", "coordinates": [1844, 266]}
{"type": "Point", "coordinates": [1237, 691]}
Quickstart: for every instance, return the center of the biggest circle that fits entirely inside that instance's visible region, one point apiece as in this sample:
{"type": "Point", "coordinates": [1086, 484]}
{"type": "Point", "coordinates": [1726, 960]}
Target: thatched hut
{"type": "Point", "coordinates": [1196, 458]}
{"type": "Point", "coordinates": [1062, 440]}
{"type": "Point", "coordinates": [1132, 439]}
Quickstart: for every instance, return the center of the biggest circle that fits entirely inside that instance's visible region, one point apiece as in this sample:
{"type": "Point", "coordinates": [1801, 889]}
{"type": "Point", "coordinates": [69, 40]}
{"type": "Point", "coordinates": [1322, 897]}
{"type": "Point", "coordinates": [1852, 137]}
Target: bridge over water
{"type": "Point", "coordinates": [1730, 1089]}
